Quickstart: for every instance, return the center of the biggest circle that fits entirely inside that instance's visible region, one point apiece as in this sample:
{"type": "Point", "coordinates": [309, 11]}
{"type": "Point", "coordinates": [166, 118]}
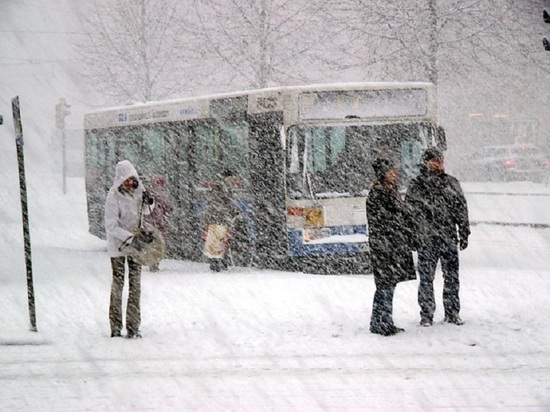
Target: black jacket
{"type": "Point", "coordinates": [390, 228]}
{"type": "Point", "coordinates": [439, 206]}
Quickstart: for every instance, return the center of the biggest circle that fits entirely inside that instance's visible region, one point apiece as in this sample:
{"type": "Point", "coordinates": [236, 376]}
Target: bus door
{"type": "Point", "coordinates": [219, 150]}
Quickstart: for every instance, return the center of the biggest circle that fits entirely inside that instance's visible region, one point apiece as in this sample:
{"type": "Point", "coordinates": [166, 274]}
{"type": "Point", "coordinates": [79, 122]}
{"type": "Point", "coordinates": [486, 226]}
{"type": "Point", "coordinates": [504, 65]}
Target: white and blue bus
{"type": "Point", "coordinates": [302, 157]}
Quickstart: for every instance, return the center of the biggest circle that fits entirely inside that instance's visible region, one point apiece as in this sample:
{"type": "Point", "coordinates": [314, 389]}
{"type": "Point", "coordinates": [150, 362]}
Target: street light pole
{"type": "Point", "coordinates": [62, 111]}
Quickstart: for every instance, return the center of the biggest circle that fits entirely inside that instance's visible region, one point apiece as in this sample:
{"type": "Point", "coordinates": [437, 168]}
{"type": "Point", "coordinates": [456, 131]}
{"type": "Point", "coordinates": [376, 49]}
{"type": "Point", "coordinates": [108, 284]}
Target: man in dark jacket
{"type": "Point", "coordinates": [439, 205]}
{"type": "Point", "coordinates": [390, 242]}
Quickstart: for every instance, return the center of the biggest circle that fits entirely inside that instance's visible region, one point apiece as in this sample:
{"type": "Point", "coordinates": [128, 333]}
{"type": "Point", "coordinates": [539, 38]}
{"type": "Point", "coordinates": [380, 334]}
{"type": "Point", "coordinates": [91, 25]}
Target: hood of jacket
{"type": "Point", "coordinates": [124, 170]}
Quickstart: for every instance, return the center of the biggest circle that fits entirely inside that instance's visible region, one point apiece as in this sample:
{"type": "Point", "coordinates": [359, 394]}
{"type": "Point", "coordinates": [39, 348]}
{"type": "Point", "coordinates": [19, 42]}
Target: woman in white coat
{"type": "Point", "coordinates": [124, 207]}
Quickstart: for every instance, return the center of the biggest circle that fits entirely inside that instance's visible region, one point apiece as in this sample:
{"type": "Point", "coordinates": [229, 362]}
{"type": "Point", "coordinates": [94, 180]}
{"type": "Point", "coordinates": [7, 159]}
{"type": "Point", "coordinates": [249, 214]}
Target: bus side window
{"type": "Point", "coordinates": [235, 151]}
{"type": "Point", "coordinates": [128, 146]}
{"type": "Point", "coordinates": [206, 154]}
{"type": "Point", "coordinates": [153, 152]}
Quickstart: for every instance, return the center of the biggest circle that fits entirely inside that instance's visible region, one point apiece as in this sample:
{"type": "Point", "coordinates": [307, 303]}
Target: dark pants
{"type": "Point", "coordinates": [217, 265]}
{"type": "Point", "coordinates": [382, 310]}
{"type": "Point", "coordinates": [133, 312]}
{"type": "Point", "coordinates": [428, 257]}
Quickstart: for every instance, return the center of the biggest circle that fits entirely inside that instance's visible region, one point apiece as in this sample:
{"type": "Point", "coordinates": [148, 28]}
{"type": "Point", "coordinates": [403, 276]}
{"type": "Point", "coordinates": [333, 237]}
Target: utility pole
{"type": "Point", "coordinates": [62, 111]}
{"type": "Point", "coordinates": [23, 191]}
{"type": "Point", "coordinates": [546, 18]}
{"type": "Point", "coordinates": [433, 46]}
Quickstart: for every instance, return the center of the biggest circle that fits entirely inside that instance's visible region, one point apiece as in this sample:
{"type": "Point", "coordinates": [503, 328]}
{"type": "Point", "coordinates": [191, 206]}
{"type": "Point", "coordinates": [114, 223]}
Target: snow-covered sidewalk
{"type": "Point", "coordinates": [264, 340]}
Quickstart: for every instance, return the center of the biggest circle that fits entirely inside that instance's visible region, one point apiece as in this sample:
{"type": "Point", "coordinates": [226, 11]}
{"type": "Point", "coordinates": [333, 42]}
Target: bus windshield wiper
{"type": "Point", "coordinates": [309, 185]}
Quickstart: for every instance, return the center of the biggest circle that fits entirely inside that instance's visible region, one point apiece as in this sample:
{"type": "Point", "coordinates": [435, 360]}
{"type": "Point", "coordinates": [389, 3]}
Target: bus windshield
{"type": "Point", "coordinates": [336, 161]}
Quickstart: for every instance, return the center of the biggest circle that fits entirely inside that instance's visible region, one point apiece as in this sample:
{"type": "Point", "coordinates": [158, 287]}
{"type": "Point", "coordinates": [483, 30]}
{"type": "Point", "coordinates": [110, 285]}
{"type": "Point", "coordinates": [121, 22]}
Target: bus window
{"type": "Point", "coordinates": [234, 154]}
{"type": "Point", "coordinates": [176, 166]}
{"type": "Point", "coordinates": [337, 142]}
{"type": "Point", "coordinates": [411, 152]}
{"type": "Point", "coordinates": [95, 155]}
{"type": "Point", "coordinates": [323, 152]}
{"type": "Point", "coordinates": [351, 171]}
{"type": "Point", "coordinates": [220, 148]}
{"type": "Point", "coordinates": [153, 152]}
{"type": "Point", "coordinates": [100, 157]}
{"type": "Point", "coordinates": [207, 156]}
{"type": "Point", "coordinates": [128, 146]}
{"type": "Point", "coordinates": [325, 145]}
{"type": "Point", "coordinates": [326, 148]}
{"type": "Point", "coordinates": [99, 176]}
{"type": "Point", "coordinates": [294, 160]}
{"type": "Point", "coordinates": [316, 149]}
{"type": "Point", "coordinates": [95, 166]}
{"type": "Point", "coordinates": [144, 147]}
{"type": "Point", "coordinates": [338, 159]}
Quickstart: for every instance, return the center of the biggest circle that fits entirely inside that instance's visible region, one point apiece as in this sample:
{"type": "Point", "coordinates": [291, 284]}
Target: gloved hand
{"type": "Point", "coordinates": [147, 198]}
{"type": "Point", "coordinates": [463, 243]}
{"type": "Point", "coordinates": [142, 238]}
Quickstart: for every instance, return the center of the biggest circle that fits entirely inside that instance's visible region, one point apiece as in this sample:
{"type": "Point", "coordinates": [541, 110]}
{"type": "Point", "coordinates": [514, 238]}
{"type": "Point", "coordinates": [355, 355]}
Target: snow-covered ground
{"type": "Point", "coordinates": [251, 340]}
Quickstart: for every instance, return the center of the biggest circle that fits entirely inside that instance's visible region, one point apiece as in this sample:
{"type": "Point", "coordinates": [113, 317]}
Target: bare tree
{"type": "Point", "coordinates": [260, 43]}
{"type": "Point", "coordinates": [434, 40]}
{"type": "Point", "coordinates": [128, 49]}
{"type": "Point", "coordinates": [154, 49]}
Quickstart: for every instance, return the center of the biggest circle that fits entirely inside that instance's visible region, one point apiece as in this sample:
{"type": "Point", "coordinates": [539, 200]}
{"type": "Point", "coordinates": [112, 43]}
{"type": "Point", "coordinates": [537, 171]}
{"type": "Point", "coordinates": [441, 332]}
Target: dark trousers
{"type": "Point", "coordinates": [133, 311]}
{"type": "Point", "coordinates": [382, 309]}
{"type": "Point", "coordinates": [217, 265]}
{"type": "Point", "coordinates": [428, 256]}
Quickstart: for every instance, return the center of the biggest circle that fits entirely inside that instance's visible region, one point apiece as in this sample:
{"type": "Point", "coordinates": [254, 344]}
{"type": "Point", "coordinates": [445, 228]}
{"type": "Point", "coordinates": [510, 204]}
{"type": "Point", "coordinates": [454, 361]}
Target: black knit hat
{"type": "Point", "coordinates": [381, 167]}
{"type": "Point", "coordinates": [431, 153]}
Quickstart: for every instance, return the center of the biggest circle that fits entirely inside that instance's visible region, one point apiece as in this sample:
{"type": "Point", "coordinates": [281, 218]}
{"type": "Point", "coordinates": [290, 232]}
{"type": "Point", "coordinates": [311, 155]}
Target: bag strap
{"type": "Point", "coordinates": [141, 212]}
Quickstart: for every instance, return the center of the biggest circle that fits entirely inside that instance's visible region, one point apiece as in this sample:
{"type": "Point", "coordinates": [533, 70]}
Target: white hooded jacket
{"type": "Point", "coordinates": [122, 211]}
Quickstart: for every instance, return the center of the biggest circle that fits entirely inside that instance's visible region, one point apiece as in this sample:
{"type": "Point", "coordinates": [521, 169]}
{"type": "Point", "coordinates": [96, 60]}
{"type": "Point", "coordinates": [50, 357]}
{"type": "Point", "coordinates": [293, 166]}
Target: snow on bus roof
{"type": "Point", "coordinates": [306, 88]}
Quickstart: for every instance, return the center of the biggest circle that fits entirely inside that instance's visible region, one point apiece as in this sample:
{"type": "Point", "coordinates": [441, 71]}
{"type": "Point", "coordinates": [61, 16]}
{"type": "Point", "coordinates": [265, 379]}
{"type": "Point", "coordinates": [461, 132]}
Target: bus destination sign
{"type": "Point", "coordinates": [362, 103]}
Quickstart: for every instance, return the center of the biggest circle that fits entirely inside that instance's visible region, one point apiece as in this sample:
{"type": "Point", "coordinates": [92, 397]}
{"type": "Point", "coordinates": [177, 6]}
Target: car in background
{"type": "Point", "coordinates": [503, 163]}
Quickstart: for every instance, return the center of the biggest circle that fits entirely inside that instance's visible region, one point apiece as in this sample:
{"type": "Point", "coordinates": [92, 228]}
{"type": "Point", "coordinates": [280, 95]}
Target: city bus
{"type": "Point", "coordinates": [300, 158]}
